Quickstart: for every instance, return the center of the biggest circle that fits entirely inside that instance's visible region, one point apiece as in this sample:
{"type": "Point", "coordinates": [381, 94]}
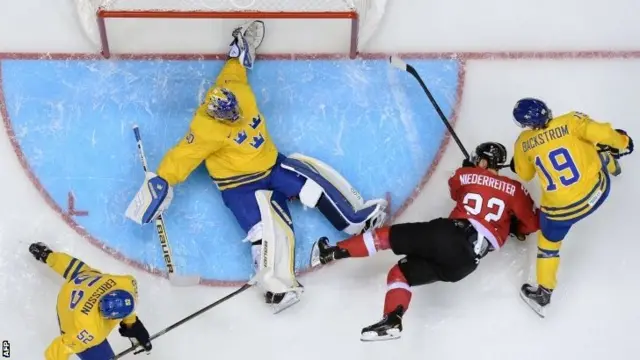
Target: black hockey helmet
{"type": "Point", "coordinates": [494, 152]}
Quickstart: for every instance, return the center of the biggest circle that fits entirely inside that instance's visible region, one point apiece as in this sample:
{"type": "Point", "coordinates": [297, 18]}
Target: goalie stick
{"type": "Point", "coordinates": [254, 280]}
{"type": "Point", "coordinates": [400, 64]}
{"type": "Point", "coordinates": [175, 279]}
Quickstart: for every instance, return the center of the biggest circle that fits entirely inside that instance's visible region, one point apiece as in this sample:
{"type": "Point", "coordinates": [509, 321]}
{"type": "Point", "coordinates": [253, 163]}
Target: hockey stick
{"type": "Point", "coordinates": [254, 280]}
{"type": "Point", "coordinates": [400, 64]}
{"type": "Point", "coordinates": [175, 279]}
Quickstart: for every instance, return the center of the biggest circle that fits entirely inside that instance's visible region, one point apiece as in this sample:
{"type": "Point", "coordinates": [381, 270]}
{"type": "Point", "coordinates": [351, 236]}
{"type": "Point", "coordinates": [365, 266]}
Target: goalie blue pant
{"type": "Point", "coordinates": [241, 200]}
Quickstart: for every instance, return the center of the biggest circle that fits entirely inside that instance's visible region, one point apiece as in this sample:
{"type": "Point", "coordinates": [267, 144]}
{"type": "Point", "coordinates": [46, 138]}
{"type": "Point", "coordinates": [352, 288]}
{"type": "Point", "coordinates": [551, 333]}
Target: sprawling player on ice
{"type": "Point", "coordinates": [229, 134]}
{"type": "Point", "coordinates": [90, 305]}
{"type": "Point", "coordinates": [573, 156]}
{"type": "Point", "coordinates": [488, 208]}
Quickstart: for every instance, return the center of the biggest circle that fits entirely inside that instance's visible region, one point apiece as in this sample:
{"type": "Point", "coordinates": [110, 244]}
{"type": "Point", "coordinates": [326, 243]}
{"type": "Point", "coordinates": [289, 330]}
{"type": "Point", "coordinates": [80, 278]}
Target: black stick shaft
{"type": "Point", "coordinates": [411, 70]}
{"type": "Point", "coordinates": [197, 313]}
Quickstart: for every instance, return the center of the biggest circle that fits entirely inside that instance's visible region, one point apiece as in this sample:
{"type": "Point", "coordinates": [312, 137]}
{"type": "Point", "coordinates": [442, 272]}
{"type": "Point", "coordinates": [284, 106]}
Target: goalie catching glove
{"type": "Point", "coordinates": [153, 198]}
{"type": "Point", "coordinates": [246, 39]}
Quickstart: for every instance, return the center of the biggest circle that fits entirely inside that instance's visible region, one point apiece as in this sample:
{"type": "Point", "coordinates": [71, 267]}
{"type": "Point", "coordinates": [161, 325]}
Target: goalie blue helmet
{"type": "Point", "coordinates": [223, 104]}
{"type": "Point", "coordinates": [116, 304]}
{"type": "Point", "coordinates": [532, 113]}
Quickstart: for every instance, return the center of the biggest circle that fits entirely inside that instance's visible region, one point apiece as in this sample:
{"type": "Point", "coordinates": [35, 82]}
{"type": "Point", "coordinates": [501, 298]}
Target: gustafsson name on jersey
{"type": "Point", "coordinates": [547, 135]}
{"type": "Point", "coordinates": [93, 299]}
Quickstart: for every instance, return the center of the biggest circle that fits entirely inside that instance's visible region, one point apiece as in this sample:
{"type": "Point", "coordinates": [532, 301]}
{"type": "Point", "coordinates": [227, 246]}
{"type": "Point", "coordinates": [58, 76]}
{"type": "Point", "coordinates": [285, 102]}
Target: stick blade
{"type": "Point", "coordinates": [398, 63]}
{"type": "Point", "coordinates": [136, 132]}
{"type": "Point", "coordinates": [181, 280]}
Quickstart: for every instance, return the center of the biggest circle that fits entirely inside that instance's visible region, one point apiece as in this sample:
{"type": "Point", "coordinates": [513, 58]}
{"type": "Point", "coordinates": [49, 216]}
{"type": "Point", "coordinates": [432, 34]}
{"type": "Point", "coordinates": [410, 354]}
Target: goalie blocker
{"type": "Point", "coordinates": [151, 200]}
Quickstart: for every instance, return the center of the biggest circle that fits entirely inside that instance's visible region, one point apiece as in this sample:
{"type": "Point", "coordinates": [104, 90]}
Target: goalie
{"type": "Point", "coordinates": [229, 133]}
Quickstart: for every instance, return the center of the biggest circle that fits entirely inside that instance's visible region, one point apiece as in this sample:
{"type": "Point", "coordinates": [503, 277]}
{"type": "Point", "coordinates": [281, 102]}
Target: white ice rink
{"type": "Point", "coordinates": [594, 314]}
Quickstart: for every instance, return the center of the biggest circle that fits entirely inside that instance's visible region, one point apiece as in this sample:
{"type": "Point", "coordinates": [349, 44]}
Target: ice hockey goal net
{"type": "Point", "coordinates": [203, 27]}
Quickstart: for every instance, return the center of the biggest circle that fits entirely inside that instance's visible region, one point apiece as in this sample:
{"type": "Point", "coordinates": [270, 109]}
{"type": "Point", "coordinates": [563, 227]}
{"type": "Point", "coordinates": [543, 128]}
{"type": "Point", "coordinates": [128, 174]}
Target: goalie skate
{"type": "Point", "coordinates": [282, 301]}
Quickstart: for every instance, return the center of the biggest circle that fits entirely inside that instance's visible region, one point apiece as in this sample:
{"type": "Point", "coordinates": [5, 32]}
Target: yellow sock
{"type": "Point", "coordinates": [548, 261]}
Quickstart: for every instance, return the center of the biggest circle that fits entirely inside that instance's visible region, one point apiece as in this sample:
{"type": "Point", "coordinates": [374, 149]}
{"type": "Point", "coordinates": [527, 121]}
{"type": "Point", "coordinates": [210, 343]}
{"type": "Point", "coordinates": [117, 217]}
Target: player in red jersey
{"type": "Point", "coordinates": [488, 208]}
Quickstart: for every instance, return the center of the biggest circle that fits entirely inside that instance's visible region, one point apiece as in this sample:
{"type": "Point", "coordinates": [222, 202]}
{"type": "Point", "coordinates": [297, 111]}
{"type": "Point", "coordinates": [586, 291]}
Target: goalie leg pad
{"type": "Point", "coordinates": [278, 243]}
{"type": "Point", "coordinates": [153, 198]}
{"type": "Point", "coordinates": [329, 192]}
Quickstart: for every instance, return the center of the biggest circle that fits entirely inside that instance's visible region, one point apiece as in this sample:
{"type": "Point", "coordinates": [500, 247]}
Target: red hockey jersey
{"type": "Point", "coordinates": [491, 200]}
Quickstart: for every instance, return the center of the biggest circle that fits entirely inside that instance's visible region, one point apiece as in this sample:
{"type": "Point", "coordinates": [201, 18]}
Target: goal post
{"type": "Point", "coordinates": [305, 28]}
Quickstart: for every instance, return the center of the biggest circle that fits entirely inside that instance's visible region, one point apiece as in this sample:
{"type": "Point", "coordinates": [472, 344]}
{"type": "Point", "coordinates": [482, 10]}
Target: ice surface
{"type": "Point", "coordinates": [594, 314]}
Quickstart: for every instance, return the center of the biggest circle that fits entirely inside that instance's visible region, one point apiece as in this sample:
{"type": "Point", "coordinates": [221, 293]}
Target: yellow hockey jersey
{"type": "Point", "coordinates": [234, 153]}
{"type": "Point", "coordinates": [81, 325]}
{"type": "Point", "coordinates": [565, 157]}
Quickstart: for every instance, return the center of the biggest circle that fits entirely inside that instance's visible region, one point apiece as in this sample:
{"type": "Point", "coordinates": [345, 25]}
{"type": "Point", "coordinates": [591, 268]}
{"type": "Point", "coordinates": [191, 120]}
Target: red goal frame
{"type": "Point", "coordinates": [103, 14]}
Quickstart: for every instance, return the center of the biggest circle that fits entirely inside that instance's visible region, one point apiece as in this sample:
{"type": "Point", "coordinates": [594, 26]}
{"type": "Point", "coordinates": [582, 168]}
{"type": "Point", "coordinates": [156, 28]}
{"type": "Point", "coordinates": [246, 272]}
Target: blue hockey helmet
{"type": "Point", "coordinates": [531, 112]}
{"type": "Point", "coordinates": [116, 304]}
{"type": "Point", "coordinates": [223, 105]}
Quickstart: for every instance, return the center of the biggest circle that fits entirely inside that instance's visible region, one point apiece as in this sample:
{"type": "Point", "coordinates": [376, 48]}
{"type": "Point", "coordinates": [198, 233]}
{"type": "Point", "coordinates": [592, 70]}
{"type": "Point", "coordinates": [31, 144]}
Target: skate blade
{"type": "Point", "coordinates": [371, 336]}
{"type": "Point", "coordinates": [539, 310]}
{"type": "Point", "coordinates": [315, 256]}
{"type": "Point", "coordinates": [288, 301]}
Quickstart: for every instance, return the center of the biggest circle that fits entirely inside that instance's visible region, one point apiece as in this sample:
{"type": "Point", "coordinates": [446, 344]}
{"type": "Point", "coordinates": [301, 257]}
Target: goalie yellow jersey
{"type": "Point", "coordinates": [234, 153]}
{"type": "Point", "coordinates": [81, 324]}
{"type": "Point", "coordinates": [565, 157]}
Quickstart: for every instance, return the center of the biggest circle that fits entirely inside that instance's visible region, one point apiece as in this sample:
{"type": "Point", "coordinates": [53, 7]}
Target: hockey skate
{"type": "Point", "coordinates": [389, 328]}
{"type": "Point", "coordinates": [322, 253]}
{"type": "Point", "coordinates": [40, 251]}
{"type": "Point", "coordinates": [282, 301]}
{"type": "Point", "coordinates": [538, 298]}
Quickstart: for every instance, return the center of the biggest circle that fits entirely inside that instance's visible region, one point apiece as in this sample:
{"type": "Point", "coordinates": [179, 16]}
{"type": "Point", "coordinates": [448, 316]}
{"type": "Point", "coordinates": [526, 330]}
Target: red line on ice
{"type": "Point", "coordinates": [71, 206]}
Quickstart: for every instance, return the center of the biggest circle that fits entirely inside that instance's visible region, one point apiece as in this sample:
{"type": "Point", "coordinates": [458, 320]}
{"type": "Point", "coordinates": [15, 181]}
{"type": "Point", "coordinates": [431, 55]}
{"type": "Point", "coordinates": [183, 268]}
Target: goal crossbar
{"type": "Point", "coordinates": [103, 14]}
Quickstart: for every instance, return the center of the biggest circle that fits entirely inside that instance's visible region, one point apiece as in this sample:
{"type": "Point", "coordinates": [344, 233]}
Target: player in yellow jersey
{"type": "Point", "coordinates": [90, 305]}
{"type": "Point", "coordinates": [229, 133]}
{"type": "Point", "coordinates": [573, 156]}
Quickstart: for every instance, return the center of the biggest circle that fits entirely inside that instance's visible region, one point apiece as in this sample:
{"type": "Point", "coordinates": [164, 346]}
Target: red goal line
{"type": "Point", "coordinates": [103, 14]}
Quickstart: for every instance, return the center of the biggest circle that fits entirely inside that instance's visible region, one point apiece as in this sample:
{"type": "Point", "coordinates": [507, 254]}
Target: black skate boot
{"type": "Point", "coordinates": [322, 253]}
{"type": "Point", "coordinates": [536, 297]}
{"type": "Point", "coordinates": [281, 301]}
{"type": "Point", "coordinates": [40, 251]}
{"type": "Point", "coordinates": [389, 328]}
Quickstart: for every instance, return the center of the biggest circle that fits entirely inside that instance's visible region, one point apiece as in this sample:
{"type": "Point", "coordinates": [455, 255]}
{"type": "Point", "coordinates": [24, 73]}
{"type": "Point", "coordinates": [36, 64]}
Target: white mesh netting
{"type": "Point", "coordinates": [369, 12]}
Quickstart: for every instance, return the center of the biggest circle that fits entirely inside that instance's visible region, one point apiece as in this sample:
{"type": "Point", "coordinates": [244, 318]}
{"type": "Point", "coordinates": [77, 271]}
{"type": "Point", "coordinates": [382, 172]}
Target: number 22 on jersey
{"type": "Point", "coordinates": [474, 204]}
{"type": "Point", "coordinates": [563, 169]}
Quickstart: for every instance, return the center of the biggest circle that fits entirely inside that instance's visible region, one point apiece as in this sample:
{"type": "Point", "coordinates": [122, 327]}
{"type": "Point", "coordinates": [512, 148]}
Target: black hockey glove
{"type": "Point", "coordinates": [138, 332]}
{"type": "Point", "coordinates": [467, 163]}
{"type": "Point", "coordinates": [617, 153]}
{"type": "Point", "coordinates": [513, 229]}
{"type": "Point", "coordinates": [629, 148]}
